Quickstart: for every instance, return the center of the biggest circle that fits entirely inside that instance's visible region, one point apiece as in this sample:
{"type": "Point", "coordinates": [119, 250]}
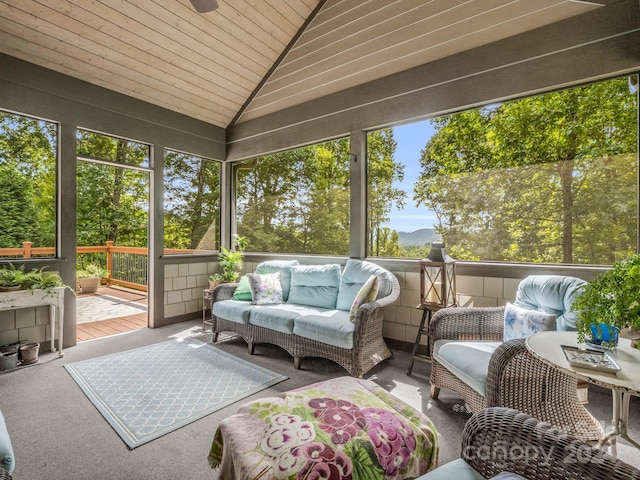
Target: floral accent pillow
{"type": "Point", "coordinates": [520, 322]}
{"type": "Point", "coordinates": [265, 289]}
{"type": "Point", "coordinates": [367, 293]}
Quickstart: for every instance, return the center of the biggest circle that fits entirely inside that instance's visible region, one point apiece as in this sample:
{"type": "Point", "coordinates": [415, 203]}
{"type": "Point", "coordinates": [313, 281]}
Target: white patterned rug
{"type": "Point", "coordinates": [102, 307]}
{"type": "Point", "coordinates": [150, 391]}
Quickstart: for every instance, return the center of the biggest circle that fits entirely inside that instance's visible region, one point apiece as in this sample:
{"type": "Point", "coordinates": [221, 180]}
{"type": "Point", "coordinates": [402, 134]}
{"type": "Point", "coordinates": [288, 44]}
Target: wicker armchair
{"type": "Point", "coordinates": [368, 350]}
{"type": "Point", "coordinates": [515, 378]}
{"type": "Point", "coordinates": [499, 440]}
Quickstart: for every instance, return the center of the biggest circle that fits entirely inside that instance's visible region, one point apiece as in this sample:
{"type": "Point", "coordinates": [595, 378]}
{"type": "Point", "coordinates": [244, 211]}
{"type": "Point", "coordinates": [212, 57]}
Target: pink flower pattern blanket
{"type": "Point", "coordinates": [343, 428]}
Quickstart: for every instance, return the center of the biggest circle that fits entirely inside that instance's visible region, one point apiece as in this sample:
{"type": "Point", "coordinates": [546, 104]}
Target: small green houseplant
{"type": "Point", "coordinates": [231, 262]}
{"type": "Point", "coordinates": [611, 298]}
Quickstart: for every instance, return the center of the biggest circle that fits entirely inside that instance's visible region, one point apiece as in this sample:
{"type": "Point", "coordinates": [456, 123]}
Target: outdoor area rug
{"type": "Point", "coordinates": [101, 307]}
{"type": "Point", "coordinates": [150, 391]}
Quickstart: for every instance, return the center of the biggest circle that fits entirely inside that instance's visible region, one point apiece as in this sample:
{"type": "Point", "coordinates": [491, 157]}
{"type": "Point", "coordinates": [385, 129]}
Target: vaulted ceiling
{"type": "Point", "coordinates": [250, 58]}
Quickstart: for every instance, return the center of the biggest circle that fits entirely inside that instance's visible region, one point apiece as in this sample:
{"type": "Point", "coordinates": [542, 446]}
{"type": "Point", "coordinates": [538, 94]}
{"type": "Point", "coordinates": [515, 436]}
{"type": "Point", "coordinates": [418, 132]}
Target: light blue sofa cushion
{"type": "Point", "coordinates": [551, 294]}
{"type": "Point", "coordinates": [332, 327]}
{"type": "Point", "coordinates": [284, 268]}
{"type": "Point", "coordinates": [233, 310]}
{"type": "Point", "coordinates": [355, 274]}
{"type": "Point", "coordinates": [469, 361]}
{"type": "Point", "coordinates": [315, 285]}
{"type": "Point", "coordinates": [279, 317]}
{"type": "Point", "coordinates": [7, 459]}
{"type": "Point", "coordinates": [455, 470]}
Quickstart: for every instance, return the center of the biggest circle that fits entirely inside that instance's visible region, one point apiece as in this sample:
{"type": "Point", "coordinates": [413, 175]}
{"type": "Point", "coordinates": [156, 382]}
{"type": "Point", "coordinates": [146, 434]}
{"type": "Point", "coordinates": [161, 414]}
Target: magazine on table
{"type": "Point", "coordinates": [588, 358]}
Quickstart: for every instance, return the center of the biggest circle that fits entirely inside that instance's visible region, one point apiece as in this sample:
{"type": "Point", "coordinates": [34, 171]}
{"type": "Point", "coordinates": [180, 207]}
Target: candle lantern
{"type": "Point", "coordinates": [437, 278]}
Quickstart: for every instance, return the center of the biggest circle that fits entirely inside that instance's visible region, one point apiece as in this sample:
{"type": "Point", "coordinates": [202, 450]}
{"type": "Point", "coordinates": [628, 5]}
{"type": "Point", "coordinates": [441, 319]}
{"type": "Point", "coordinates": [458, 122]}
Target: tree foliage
{"type": "Point", "coordinates": [191, 202]}
{"type": "Point", "coordinates": [551, 178]}
{"type": "Point", "coordinates": [27, 181]}
{"type": "Point", "coordinates": [296, 201]}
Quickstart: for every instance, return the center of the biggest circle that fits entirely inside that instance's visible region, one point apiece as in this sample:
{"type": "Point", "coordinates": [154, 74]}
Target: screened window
{"type": "Point", "coordinates": [296, 201]}
{"type": "Point", "coordinates": [551, 178]}
{"type": "Point", "coordinates": [28, 162]}
{"type": "Point", "coordinates": [98, 146]}
{"type": "Point", "coordinates": [191, 203]}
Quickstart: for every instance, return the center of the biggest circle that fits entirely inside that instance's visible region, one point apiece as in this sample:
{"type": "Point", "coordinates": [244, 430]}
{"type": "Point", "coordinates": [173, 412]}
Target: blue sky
{"type": "Point", "coordinates": [411, 140]}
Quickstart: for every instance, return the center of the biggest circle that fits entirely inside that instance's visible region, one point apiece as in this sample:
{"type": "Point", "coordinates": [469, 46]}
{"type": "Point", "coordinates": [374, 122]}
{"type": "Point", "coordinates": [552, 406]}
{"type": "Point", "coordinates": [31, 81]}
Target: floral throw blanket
{"type": "Point", "coordinates": [343, 428]}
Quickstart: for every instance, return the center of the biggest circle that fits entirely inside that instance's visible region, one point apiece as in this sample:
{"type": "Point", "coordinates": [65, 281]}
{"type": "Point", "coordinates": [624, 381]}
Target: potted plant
{"type": "Point", "coordinates": [231, 262]}
{"type": "Point", "coordinates": [611, 299]}
{"type": "Point", "coordinates": [11, 278]}
{"type": "Point", "coordinates": [90, 276]}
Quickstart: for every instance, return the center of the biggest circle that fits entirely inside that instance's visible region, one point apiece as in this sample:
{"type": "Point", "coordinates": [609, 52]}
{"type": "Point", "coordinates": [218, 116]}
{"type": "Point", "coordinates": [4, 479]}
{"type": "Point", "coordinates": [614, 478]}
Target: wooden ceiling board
{"type": "Point", "coordinates": [160, 51]}
{"type": "Point", "coordinates": [136, 57]}
{"type": "Point", "coordinates": [233, 63]}
{"type": "Point", "coordinates": [447, 32]}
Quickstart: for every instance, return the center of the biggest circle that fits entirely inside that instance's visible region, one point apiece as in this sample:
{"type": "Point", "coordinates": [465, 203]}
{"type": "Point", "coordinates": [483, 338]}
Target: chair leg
{"type": "Point", "coordinates": [435, 391]}
{"type": "Point", "coordinates": [215, 337]}
{"type": "Point", "coordinates": [583, 391]}
{"type": "Point", "coordinates": [250, 346]}
{"type": "Point", "coordinates": [296, 363]}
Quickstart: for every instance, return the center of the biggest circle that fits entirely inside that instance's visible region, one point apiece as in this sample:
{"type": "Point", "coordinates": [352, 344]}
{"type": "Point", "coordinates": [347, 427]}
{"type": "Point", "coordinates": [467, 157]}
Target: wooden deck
{"type": "Point", "coordinates": [103, 328]}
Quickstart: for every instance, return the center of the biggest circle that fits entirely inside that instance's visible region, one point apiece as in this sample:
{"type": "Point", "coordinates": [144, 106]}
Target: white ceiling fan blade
{"type": "Point", "coordinates": [204, 6]}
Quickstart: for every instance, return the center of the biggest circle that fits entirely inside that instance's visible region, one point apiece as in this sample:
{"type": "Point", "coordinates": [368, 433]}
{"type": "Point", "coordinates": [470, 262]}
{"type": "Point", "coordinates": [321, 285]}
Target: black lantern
{"type": "Point", "coordinates": [437, 278]}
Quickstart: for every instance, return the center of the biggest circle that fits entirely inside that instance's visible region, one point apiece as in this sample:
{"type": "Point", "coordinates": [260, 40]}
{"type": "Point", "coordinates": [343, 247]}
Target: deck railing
{"type": "Point", "coordinates": [128, 266]}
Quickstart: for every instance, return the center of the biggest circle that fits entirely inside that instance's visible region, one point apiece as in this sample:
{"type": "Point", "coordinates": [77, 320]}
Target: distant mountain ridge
{"type": "Point", "coordinates": [419, 237]}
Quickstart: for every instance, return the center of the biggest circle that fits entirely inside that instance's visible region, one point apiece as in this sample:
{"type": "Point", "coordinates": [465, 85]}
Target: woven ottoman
{"type": "Point", "coordinates": [341, 428]}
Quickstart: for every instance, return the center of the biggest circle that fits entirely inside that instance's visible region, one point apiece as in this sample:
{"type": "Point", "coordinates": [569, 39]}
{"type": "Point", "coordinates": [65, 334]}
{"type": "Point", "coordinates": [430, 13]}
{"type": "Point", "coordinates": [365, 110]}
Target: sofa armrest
{"type": "Point", "coordinates": [370, 316]}
{"type": "Point", "coordinates": [498, 439]}
{"type": "Point", "coordinates": [224, 291]}
{"type": "Point", "coordinates": [467, 323]}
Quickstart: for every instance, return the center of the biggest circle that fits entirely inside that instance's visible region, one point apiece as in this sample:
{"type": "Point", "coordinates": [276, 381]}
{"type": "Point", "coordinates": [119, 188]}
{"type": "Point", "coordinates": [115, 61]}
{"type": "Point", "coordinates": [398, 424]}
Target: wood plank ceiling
{"type": "Point", "coordinates": [239, 62]}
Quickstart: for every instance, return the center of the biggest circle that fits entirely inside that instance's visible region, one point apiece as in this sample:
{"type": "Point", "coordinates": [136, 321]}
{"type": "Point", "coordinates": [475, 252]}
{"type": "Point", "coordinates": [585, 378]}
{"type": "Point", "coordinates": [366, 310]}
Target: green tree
{"type": "Point", "coordinates": [18, 212]}
{"type": "Point", "coordinates": [28, 146]}
{"type": "Point", "coordinates": [544, 179]}
{"type": "Point", "coordinates": [112, 201]}
{"type": "Point", "coordinates": [192, 202]}
{"type": "Point", "coordinates": [382, 195]}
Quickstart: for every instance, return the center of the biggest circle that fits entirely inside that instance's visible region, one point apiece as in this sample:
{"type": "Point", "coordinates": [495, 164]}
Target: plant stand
{"type": "Point", "coordinates": [34, 298]}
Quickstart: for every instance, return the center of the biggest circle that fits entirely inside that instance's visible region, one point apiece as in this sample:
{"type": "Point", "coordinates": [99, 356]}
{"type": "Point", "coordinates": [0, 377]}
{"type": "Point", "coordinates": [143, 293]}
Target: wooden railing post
{"type": "Point", "coordinates": [27, 249]}
{"type": "Point", "coordinates": [109, 260]}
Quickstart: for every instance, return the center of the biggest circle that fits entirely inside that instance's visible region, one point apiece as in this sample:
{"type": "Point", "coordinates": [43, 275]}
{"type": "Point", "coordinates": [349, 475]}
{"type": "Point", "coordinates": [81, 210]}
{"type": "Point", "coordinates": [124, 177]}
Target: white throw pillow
{"type": "Point", "coordinates": [520, 322]}
{"type": "Point", "coordinates": [265, 289]}
{"type": "Point", "coordinates": [367, 293]}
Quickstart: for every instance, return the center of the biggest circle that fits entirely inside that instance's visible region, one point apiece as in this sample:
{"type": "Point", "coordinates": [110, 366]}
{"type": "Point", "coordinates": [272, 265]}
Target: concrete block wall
{"type": "Point", "coordinates": [183, 287]}
{"type": "Point", "coordinates": [402, 319]}
{"type": "Point", "coordinates": [30, 324]}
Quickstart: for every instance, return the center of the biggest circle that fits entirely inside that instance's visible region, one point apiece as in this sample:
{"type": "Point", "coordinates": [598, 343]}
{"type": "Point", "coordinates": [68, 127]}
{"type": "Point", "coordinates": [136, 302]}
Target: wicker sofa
{"type": "Point", "coordinates": [497, 440]}
{"type": "Point", "coordinates": [305, 329]}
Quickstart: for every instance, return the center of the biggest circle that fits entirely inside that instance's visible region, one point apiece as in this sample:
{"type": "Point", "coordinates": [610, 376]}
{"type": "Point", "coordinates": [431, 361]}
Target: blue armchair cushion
{"type": "Point", "coordinates": [551, 294]}
{"type": "Point", "coordinates": [520, 322]}
{"type": "Point", "coordinates": [467, 360]}
{"type": "Point", "coordinates": [315, 285]}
